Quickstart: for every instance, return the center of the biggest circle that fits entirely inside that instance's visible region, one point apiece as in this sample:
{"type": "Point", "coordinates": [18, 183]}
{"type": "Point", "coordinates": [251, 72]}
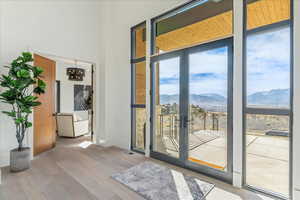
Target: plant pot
{"type": "Point", "coordinates": [19, 160]}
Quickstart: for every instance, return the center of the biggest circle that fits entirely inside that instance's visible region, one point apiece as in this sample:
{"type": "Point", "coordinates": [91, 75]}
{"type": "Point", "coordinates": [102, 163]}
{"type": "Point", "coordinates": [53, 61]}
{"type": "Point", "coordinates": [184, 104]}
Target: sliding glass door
{"type": "Point", "coordinates": [192, 108]}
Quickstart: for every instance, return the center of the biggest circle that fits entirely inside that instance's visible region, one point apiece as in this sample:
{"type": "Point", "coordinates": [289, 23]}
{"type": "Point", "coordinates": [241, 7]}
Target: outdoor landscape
{"type": "Point", "coordinates": [267, 136]}
{"type": "Point", "coordinates": [275, 98]}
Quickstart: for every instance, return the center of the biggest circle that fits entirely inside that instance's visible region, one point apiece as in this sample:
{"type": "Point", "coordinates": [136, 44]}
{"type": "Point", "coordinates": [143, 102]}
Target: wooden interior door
{"type": "Point", "coordinates": [44, 120]}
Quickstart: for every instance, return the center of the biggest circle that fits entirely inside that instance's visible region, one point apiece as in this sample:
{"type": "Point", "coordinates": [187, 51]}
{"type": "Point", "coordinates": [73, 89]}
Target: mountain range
{"type": "Point", "coordinates": [276, 97]}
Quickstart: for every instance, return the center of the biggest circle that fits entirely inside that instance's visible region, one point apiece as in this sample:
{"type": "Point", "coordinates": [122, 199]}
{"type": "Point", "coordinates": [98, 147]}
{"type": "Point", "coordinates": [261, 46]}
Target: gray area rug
{"type": "Point", "coordinates": [156, 182]}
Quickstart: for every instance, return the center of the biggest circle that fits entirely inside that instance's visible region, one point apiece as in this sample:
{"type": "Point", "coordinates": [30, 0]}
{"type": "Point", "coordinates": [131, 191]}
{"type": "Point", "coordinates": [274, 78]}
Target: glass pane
{"type": "Point", "coordinates": [140, 42]}
{"type": "Point", "coordinates": [268, 87]}
{"type": "Point", "coordinates": [264, 12]}
{"type": "Point", "coordinates": [140, 128]}
{"type": "Point", "coordinates": [267, 152]}
{"type": "Point", "coordinates": [203, 21]}
{"type": "Point", "coordinates": [140, 83]}
{"type": "Point", "coordinates": [208, 83]}
{"type": "Point", "coordinates": [166, 138]}
{"type": "Point", "coordinates": [268, 69]}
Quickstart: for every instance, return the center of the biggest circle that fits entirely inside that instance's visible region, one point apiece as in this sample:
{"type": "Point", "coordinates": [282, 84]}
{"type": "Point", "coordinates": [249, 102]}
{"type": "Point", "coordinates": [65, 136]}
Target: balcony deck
{"type": "Point", "coordinates": [266, 156]}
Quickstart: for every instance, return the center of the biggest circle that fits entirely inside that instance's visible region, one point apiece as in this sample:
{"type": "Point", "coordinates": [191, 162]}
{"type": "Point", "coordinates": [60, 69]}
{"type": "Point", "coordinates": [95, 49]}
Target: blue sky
{"type": "Point", "coordinates": [267, 61]}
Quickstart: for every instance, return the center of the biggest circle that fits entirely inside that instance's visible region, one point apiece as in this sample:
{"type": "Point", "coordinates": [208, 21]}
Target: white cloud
{"type": "Point", "coordinates": [169, 68]}
{"type": "Point", "coordinates": [208, 62]}
{"type": "Point", "coordinates": [268, 57]}
{"type": "Point", "coordinates": [268, 61]}
{"type": "Point", "coordinates": [217, 86]}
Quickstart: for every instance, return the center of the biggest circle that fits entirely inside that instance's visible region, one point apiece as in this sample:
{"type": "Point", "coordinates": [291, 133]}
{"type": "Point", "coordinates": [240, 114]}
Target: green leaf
{"type": "Point", "coordinates": [20, 120]}
{"type": "Point", "coordinates": [26, 109]}
{"type": "Point", "coordinates": [41, 87]}
{"type": "Point", "coordinates": [28, 124]}
{"type": "Point", "coordinates": [9, 95]}
{"type": "Point", "coordinates": [27, 57]}
{"type": "Point", "coordinates": [10, 114]}
{"type": "Point", "coordinates": [20, 102]}
{"type": "Point", "coordinates": [38, 90]}
{"type": "Point", "coordinates": [23, 73]}
{"type": "Point", "coordinates": [6, 81]}
{"type": "Point", "coordinates": [17, 61]}
{"type": "Point", "coordinates": [36, 103]}
{"type": "Point", "coordinates": [37, 71]}
{"type": "Point", "coordinates": [30, 98]}
{"type": "Point", "coordinates": [41, 84]}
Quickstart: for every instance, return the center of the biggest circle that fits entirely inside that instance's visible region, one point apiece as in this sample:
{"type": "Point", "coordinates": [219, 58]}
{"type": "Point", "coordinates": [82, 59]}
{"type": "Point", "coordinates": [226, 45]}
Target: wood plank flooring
{"type": "Point", "coordinates": [70, 172]}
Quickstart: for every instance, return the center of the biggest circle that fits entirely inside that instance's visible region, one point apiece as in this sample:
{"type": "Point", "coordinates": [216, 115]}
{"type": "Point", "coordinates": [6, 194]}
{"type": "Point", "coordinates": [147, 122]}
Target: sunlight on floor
{"type": "Point", "coordinates": [218, 193]}
{"type": "Point", "coordinates": [264, 197]}
{"type": "Point", "coordinates": [85, 144]}
{"type": "Point", "coordinates": [182, 187]}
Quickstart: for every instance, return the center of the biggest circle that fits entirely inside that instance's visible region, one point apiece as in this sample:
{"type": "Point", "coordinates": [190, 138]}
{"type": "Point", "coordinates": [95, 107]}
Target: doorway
{"type": "Point", "coordinates": [68, 104]}
{"type": "Point", "coordinates": [192, 108]}
{"type": "Point", "coordinates": [74, 100]}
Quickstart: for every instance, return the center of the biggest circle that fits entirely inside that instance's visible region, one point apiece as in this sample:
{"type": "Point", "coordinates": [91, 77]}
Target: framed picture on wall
{"type": "Point", "coordinates": [82, 97]}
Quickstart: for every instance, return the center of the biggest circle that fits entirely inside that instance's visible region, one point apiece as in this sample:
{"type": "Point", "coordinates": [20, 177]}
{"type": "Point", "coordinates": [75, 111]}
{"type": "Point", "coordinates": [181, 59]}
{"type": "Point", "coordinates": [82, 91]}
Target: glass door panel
{"type": "Point", "coordinates": [192, 123]}
{"type": "Point", "coordinates": [166, 108]}
{"type": "Point", "coordinates": [208, 121]}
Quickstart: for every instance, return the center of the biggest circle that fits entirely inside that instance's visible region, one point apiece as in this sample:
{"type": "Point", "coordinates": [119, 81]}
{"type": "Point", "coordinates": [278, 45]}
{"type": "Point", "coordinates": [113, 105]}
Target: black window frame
{"type": "Point", "coordinates": [134, 106]}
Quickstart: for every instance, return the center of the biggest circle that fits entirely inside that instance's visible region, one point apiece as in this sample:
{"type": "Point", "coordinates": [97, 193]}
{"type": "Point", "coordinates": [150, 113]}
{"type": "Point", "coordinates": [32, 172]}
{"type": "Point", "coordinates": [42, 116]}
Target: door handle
{"type": "Point", "coordinates": [185, 121]}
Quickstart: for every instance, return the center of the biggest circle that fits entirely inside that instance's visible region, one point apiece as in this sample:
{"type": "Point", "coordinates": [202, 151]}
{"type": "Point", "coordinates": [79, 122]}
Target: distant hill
{"type": "Point", "coordinates": [195, 99]}
{"type": "Point", "coordinates": [277, 97]}
{"type": "Point", "coordinates": [211, 101]}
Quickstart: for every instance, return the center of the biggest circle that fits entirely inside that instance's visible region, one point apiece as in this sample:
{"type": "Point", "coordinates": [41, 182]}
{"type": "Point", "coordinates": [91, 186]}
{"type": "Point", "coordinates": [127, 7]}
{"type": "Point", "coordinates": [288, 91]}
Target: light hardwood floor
{"type": "Point", "coordinates": [71, 172]}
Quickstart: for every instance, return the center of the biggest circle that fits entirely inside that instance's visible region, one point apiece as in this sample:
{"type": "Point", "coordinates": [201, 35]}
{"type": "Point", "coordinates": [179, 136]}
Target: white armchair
{"type": "Point", "coordinates": [69, 125]}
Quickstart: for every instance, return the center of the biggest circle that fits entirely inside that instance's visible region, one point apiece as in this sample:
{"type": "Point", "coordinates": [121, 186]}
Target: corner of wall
{"type": "Point", "coordinates": [2, 156]}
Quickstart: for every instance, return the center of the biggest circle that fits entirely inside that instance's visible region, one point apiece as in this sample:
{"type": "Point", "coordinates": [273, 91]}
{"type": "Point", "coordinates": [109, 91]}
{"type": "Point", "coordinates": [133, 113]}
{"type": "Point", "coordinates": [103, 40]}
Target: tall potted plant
{"type": "Point", "coordinates": [21, 86]}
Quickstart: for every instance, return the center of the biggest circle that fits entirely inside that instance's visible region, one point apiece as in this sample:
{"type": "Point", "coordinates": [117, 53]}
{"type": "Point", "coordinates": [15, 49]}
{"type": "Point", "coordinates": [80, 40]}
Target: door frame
{"type": "Point", "coordinates": [94, 138]}
{"type": "Point", "coordinates": [182, 161]}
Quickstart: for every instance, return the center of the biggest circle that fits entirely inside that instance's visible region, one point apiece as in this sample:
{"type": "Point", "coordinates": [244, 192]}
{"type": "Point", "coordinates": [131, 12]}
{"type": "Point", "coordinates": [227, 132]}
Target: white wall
{"type": "Point", "coordinates": [69, 29]}
{"type": "Point", "coordinates": [1, 106]}
{"type": "Point", "coordinates": [84, 30]}
{"type": "Point", "coordinates": [120, 17]}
